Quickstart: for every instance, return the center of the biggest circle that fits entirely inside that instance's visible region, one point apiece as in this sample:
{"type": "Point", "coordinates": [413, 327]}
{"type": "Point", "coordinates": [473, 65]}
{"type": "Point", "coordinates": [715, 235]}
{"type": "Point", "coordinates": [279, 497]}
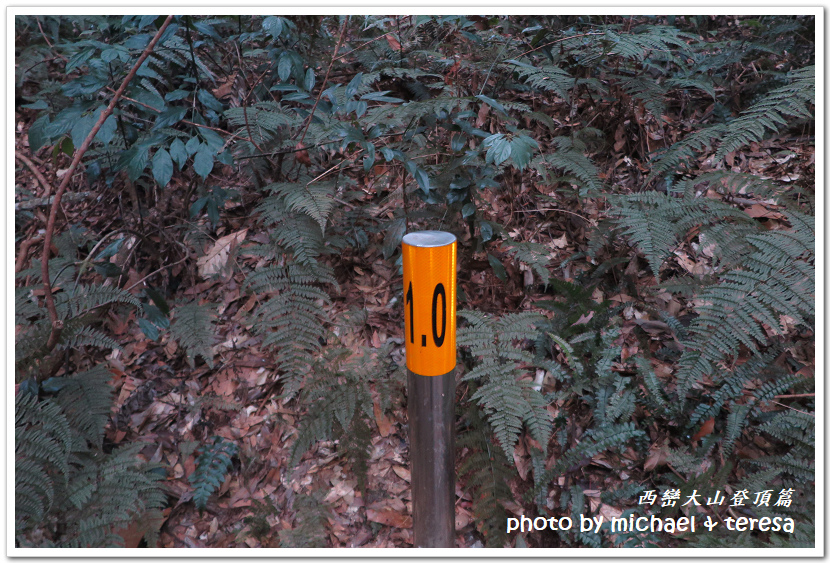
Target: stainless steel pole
{"type": "Point", "coordinates": [432, 453]}
{"type": "Point", "coordinates": [429, 280]}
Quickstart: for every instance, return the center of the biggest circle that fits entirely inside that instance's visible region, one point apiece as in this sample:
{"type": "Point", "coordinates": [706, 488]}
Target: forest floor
{"type": "Point", "coordinates": [170, 406]}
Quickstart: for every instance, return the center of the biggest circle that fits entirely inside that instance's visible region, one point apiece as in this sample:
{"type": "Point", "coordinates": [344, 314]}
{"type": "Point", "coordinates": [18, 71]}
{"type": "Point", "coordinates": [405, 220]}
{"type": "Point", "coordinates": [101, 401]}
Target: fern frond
{"type": "Point", "coordinates": [772, 113]}
{"type": "Point", "coordinates": [193, 329]}
{"type": "Point", "coordinates": [547, 77]}
{"type": "Point", "coordinates": [566, 157]}
{"type": "Point", "coordinates": [212, 466]}
{"type": "Point", "coordinates": [314, 199]}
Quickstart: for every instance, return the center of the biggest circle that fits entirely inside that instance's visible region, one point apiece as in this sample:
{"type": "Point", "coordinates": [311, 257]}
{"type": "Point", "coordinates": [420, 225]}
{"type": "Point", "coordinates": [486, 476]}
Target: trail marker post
{"type": "Point", "coordinates": [429, 284]}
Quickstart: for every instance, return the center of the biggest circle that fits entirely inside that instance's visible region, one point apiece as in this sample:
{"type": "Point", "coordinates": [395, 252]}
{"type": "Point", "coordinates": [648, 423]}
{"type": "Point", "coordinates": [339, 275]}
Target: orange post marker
{"type": "Point", "coordinates": [429, 260]}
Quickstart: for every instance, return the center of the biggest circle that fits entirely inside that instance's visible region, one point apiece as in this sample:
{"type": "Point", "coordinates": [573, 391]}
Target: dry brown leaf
{"type": "Point", "coordinates": [389, 517]}
{"type": "Point", "coordinates": [402, 472]}
{"type": "Point", "coordinates": [657, 456]}
{"type": "Point", "coordinates": [393, 43]}
{"type": "Point", "coordinates": [384, 426]}
{"type": "Point", "coordinates": [217, 257]}
{"type": "Point", "coordinates": [705, 430]}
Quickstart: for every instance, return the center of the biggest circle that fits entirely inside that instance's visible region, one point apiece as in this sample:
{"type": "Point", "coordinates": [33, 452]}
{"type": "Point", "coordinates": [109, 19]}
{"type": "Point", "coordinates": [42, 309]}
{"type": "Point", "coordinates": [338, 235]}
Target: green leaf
{"type": "Point", "coordinates": [37, 134]}
{"type": "Point", "coordinates": [170, 116]}
{"type": "Point", "coordinates": [63, 121]}
{"type": "Point", "coordinates": [351, 89]}
{"type": "Point", "coordinates": [138, 162]}
{"type": "Point", "coordinates": [40, 104]}
{"type": "Point", "coordinates": [178, 153]}
{"type": "Point", "coordinates": [422, 179]}
{"type": "Point", "coordinates": [82, 128]}
{"type": "Point", "coordinates": [66, 146]}
{"type": "Point", "coordinates": [309, 80]}
{"type": "Point", "coordinates": [492, 103]}
{"type": "Point", "coordinates": [78, 59]}
{"type": "Point", "coordinates": [499, 148]}
{"type": "Point", "coordinates": [107, 130]}
{"type": "Point", "coordinates": [284, 67]}
{"type": "Point", "coordinates": [110, 250]}
{"type": "Point", "coordinates": [369, 159]}
{"type": "Point", "coordinates": [486, 231]}
{"type": "Point", "coordinates": [109, 55]}
{"type": "Point", "coordinates": [468, 210]}
{"type": "Point", "coordinates": [394, 235]}
{"type": "Point", "coordinates": [274, 26]}
{"type": "Point", "coordinates": [380, 97]}
{"type": "Point", "coordinates": [203, 162]}
{"type": "Point", "coordinates": [155, 316]}
{"type": "Point", "coordinates": [108, 269]}
{"type": "Point", "coordinates": [521, 149]}
{"type": "Point", "coordinates": [158, 299]}
{"type": "Point", "coordinates": [162, 167]}
{"type": "Point", "coordinates": [498, 268]}
{"type": "Point", "coordinates": [149, 329]}
{"type": "Point", "coordinates": [192, 145]}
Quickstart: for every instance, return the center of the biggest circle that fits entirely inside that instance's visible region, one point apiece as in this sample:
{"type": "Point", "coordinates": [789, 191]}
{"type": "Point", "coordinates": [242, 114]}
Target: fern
{"type": "Point", "coordinates": [485, 473]}
{"type": "Point", "coordinates": [533, 255]}
{"type": "Point", "coordinates": [342, 415]}
{"type": "Point", "coordinates": [310, 527]}
{"type": "Point", "coordinates": [212, 465]}
{"type": "Point", "coordinates": [546, 77]}
{"type": "Point", "coordinates": [291, 321]}
{"type": "Point", "coordinates": [193, 329]}
{"type": "Point", "coordinates": [772, 113]}
{"type": "Point", "coordinates": [567, 156]}
{"type": "Point", "coordinates": [777, 279]}
{"type": "Point", "coordinates": [315, 199]}
{"type": "Point", "coordinates": [62, 474]}
{"type": "Point", "coordinates": [592, 443]}
{"type": "Point", "coordinates": [509, 404]}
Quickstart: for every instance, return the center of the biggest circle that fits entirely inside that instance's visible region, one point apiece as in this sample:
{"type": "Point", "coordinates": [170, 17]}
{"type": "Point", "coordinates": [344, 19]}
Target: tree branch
{"type": "Point", "coordinates": [57, 324]}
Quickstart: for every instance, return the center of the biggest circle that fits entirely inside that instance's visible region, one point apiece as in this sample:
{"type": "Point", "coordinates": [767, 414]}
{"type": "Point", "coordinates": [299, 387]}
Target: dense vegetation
{"type": "Point", "coordinates": [208, 289]}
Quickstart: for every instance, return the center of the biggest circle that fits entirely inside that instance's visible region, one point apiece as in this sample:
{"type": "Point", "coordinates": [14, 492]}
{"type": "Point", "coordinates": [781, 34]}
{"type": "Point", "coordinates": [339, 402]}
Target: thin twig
{"type": "Point", "coordinates": [57, 324]}
{"type": "Point", "coordinates": [793, 409]}
{"type": "Point", "coordinates": [326, 79]}
{"type": "Point", "coordinates": [40, 27]}
{"type": "Point", "coordinates": [23, 251]}
{"type": "Point", "coordinates": [151, 274]}
{"type": "Point", "coordinates": [40, 178]}
{"type": "Point", "coordinates": [559, 41]}
{"type": "Point", "coordinates": [553, 209]}
{"type": "Point", "coordinates": [363, 45]}
{"type": "Point", "coordinates": [796, 396]}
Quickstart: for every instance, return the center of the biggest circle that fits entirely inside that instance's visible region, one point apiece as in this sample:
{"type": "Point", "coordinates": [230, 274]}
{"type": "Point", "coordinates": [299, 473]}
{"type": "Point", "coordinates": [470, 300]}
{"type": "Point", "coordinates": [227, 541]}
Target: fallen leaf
{"type": "Point", "coordinates": [217, 257]}
{"type": "Point", "coordinates": [394, 43]}
{"type": "Point", "coordinates": [384, 426]}
{"type": "Point", "coordinates": [389, 517]}
{"type": "Point", "coordinates": [402, 472]}
{"type": "Point", "coordinates": [705, 430]}
{"type": "Point", "coordinates": [584, 319]}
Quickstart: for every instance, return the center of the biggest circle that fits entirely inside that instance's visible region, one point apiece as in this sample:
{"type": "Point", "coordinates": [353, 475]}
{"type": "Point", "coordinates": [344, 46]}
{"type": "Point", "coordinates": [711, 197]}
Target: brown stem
{"type": "Point", "coordinates": [326, 79]}
{"type": "Point", "coordinates": [24, 249]}
{"type": "Point", "coordinates": [57, 324]}
{"type": "Point", "coordinates": [43, 182]}
{"type": "Point", "coordinates": [40, 27]}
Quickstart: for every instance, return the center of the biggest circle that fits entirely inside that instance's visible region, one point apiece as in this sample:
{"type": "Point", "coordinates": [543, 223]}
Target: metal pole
{"type": "Point", "coordinates": [432, 453]}
{"type": "Point", "coordinates": [429, 262]}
